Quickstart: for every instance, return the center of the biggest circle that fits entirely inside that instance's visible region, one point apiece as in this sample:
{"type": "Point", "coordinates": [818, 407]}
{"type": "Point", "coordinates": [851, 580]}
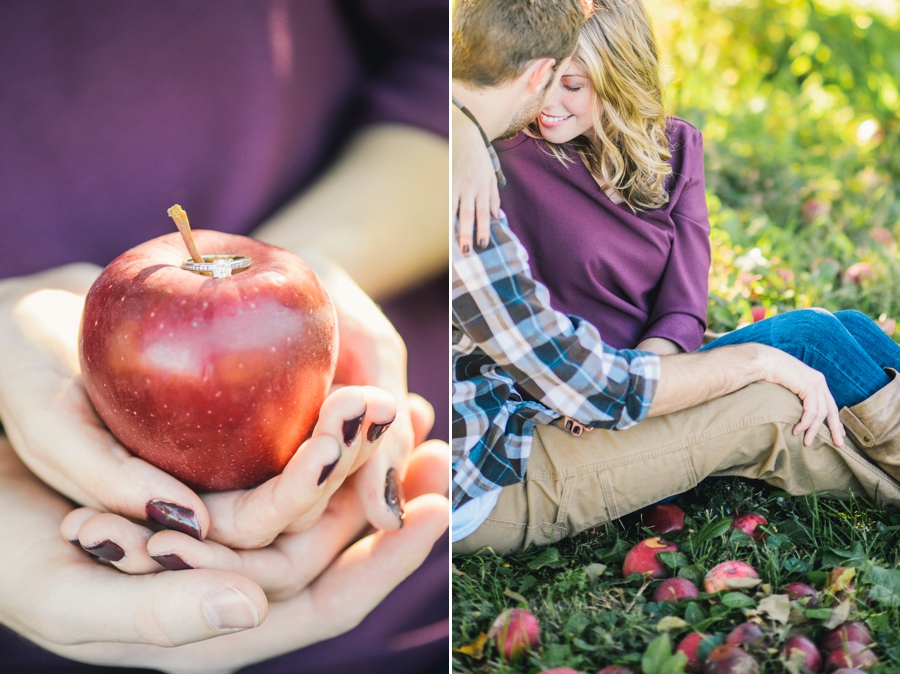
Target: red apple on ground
{"type": "Point", "coordinates": [721, 574]}
{"type": "Point", "coordinates": [664, 518]}
{"type": "Point", "coordinates": [689, 646]}
{"type": "Point", "coordinates": [812, 659]}
{"type": "Point", "coordinates": [642, 558]}
{"type": "Point", "coordinates": [856, 632]}
{"type": "Point", "coordinates": [800, 591]}
{"type": "Point", "coordinates": [747, 635]}
{"type": "Point", "coordinates": [729, 659]}
{"type": "Point", "coordinates": [851, 655]}
{"type": "Point", "coordinates": [748, 522]}
{"type": "Point", "coordinates": [675, 589]}
{"type": "Point", "coordinates": [514, 631]}
{"type": "Point", "coordinates": [215, 380]}
{"type": "Point", "coordinates": [847, 670]}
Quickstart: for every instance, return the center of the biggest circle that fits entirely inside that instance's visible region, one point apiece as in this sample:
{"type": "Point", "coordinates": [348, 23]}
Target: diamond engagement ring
{"type": "Point", "coordinates": [219, 266]}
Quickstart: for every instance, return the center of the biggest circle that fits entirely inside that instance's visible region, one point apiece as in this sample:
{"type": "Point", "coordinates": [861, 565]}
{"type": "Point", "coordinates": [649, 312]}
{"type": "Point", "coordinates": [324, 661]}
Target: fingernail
{"type": "Point", "coordinates": [577, 431]}
{"type": "Point", "coordinates": [171, 562]}
{"type": "Point", "coordinates": [393, 494]}
{"type": "Point", "coordinates": [77, 544]}
{"type": "Point", "coordinates": [568, 425]}
{"type": "Point", "coordinates": [326, 471]}
{"type": "Point", "coordinates": [107, 550]}
{"type": "Point", "coordinates": [377, 430]}
{"type": "Point", "coordinates": [351, 429]}
{"type": "Point", "coordinates": [175, 517]}
{"type": "Point", "coordinates": [466, 249]}
{"type": "Point", "coordinates": [482, 243]}
{"type": "Point", "coordinates": [227, 610]}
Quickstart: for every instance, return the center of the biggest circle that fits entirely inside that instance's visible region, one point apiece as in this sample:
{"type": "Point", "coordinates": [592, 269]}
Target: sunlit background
{"type": "Point", "coordinates": [798, 104]}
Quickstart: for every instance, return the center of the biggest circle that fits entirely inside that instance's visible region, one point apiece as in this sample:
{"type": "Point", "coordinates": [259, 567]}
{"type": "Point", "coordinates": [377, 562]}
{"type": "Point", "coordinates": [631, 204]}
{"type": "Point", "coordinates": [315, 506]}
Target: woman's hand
{"type": "Point", "coordinates": [475, 195]}
{"type": "Point", "coordinates": [55, 595]}
{"type": "Point", "coordinates": [811, 387]}
{"type": "Point", "coordinates": [57, 434]}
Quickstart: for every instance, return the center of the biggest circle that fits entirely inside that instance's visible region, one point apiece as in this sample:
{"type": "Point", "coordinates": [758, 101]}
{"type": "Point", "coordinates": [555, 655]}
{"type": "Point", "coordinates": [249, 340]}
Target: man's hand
{"type": "Point", "coordinates": [811, 387]}
{"type": "Point", "coordinates": [475, 194]}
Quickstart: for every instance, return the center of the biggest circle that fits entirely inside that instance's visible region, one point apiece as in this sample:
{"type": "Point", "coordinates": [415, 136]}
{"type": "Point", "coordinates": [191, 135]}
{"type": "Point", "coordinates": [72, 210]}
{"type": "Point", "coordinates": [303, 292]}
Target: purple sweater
{"type": "Point", "coordinates": [633, 275]}
{"type": "Point", "coordinates": [113, 110]}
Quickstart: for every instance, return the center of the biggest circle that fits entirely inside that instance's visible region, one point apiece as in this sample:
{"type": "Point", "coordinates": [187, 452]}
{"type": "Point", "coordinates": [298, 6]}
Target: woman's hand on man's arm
{"type": "Point", "coordinates": [475, 197]}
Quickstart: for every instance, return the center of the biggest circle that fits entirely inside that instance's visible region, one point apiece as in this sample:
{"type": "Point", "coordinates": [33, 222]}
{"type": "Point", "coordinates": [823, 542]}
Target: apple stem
{"type": "Point", "coordinates": [181, 222]}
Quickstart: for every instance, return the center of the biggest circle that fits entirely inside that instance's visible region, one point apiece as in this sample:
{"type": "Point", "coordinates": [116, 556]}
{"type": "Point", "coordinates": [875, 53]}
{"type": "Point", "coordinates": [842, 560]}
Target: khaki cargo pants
{"type": "Point", "coordinates": [576, 483]}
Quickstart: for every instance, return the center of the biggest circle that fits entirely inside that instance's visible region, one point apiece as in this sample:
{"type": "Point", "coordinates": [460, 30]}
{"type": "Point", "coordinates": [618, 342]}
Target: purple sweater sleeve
{"type": "Point", "coordinates": [679, 313]}
{"type": "Point", "coordinates": [404, 54]}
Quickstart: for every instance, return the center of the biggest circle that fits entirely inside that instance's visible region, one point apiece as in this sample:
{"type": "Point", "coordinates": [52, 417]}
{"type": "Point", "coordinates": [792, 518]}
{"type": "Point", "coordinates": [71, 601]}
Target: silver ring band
{"type": "Point", "coordinates": [219, 266]}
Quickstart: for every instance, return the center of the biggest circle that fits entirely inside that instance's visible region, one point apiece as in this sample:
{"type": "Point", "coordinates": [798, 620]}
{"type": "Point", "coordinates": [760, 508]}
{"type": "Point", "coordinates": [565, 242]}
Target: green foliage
{"type": "Point", "coordinates": [797, 101]}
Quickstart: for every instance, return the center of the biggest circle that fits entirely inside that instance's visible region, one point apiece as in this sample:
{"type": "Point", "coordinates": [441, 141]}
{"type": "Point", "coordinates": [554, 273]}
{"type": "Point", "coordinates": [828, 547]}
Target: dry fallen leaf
{"type": "Point", "coordinates": [741, 583]}
{"type": "Point", "coordinates": [671, 623]}
{"type": "Point", "coordinates": [839, 615]}
{"type": "Point", "coordinates": [476, 648]}
{"type": "Point", "coordinates": [776, 606]}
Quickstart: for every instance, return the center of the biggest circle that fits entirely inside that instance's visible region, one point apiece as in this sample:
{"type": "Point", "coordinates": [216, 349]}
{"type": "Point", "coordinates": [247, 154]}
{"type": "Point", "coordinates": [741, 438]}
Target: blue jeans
{"type": "Point", "coordinates": [847, 347]}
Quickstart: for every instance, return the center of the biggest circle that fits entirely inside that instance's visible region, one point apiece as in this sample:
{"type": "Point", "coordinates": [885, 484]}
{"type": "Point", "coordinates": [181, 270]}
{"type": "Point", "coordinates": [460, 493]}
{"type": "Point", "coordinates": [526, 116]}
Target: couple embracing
{"type": "Point", "coordinates": [581, 305]}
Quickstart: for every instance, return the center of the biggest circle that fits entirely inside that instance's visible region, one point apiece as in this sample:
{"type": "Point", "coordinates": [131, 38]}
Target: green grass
{"type": "Point", "coordinates": [592, 617]}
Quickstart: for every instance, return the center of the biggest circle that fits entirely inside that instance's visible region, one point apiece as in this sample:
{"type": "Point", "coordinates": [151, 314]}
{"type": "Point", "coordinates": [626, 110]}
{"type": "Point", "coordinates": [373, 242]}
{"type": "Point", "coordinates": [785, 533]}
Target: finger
{"type": "Point", "coordinates": [809, 413]}
{"type": "Point", "coordinates": [495, 199]}
{"type": "Point", "coordinates": [482, 219]}
{"type": "Point", "coordinates": [422, 416]}
{"type": "Point", "coordinates": [72, 522]}
{"type": "Point", "coordinates": [120, 542]}
{"type": "Point", "coordinates": [364, 574]}
{"type": "Point", "coordinates": [816, 423]}
{"type": "Point", "coordinates": [465, 224]}
{"type": "Point", "coordinates": [253, 518]}
{"type": "Point", "coordinates": [429, 470]}
{"type": "Point", "coordinates": [281, 569]}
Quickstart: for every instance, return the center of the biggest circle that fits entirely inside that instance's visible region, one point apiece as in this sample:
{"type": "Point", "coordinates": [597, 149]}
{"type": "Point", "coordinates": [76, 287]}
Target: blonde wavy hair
{"type": "Point", "coordinates": [617, 50]}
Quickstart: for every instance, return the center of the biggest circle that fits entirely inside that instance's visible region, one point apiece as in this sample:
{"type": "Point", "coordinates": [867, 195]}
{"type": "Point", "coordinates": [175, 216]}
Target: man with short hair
{"type": "Point", "coordinates": [664, 423]}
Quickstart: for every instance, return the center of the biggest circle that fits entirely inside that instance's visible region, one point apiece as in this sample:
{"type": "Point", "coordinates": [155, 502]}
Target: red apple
{"type": "Point", "coordinates": [719, 575]}
{"type": "Point", "coordinates": [689, 646]}
{"type": "Point", "coordinates": [747, 635]}
{"type": "Point", "coordinates": [848, 670]}
{"type": "Point", "coordinates": [851, 655]}
{"type": "Point", "coordinates": [215, 380]}
{"type": "Point", "coordinates": [729, 659]}
{"type": "Point", "coordinates": [812, 659]}
{"type": "Point", "coordinates": [514, 631]}
{"type": "Point", "coordinates": [675, 589]}
{"type": "Point", "coordinates": [800, 591]}
{"type": "Point", "coordinates": [857, 632]}
{"type": "Point", "coordinates": [758, 313]}
{"type": "Point", "coordinates": [665, 518]}
{"type": "Point", "coordinates": [642, 558]}
{"type": "Point", "coordinates": [748, 523]}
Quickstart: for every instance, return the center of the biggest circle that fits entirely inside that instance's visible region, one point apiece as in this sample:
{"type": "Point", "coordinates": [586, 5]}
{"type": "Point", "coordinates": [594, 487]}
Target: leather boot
{"type": "Point", "coordinates": [875, 425]}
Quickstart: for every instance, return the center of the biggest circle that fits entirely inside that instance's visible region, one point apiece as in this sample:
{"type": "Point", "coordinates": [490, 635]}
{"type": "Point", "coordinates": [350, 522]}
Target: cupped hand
{"type": "Point", "coordinates": [812, 389]}
{"type": "Point", "coordinates": [56, 432]}
{"type": "Point", "coordinates": [315, 591]}
{"type": "Point", "coordinates": [475, 197]}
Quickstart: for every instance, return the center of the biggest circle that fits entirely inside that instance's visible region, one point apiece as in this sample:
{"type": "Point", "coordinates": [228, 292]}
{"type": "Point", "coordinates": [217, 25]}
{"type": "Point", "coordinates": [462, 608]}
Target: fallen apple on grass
{"type": "Point", "coordinates": [856, 632]}
{"type": "Point", "coordinates": [801, 591]}
{"type": "Point", "coordinates": [748, 523]}
{"type": "Point", "coordinates": [515, 631]}
{"type": "Point", "coordinates": [728, 659]}
{"type": "Point", "coordinates": [730, 575]}
{"type": "Point", "coordinates": [664, 518]}
{"type": "Point", "coordinates": [809, 658]}
{"type": "Point", "coordinates": [675, 589]}
{"type": "Point", "coordinates": [216, 378]}
{"type": "Point", "coordinates": [642, 558]}
{"type": "Point", "coordinates": [851, 655]}
{"type": "Point", "coordinates": [748, 635]}
{"type": "Point", "coordinates": [689, 646]}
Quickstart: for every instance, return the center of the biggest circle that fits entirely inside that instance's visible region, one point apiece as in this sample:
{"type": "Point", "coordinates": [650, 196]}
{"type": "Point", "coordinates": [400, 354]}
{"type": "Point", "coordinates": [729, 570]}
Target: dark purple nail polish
{"type": "Point", "coordinates": [175, 517]}
{"type": "Point", "coordinates": [171, 562]}
{"type": "Point", "coordinates": [482, 243]}
{"type": "Point", "coordinates": [466, 249]}
{"type": "Point", "coordinates": [577, 431]}
{"type": "Point", "coordinates": [393, 494]}
{"type": "Point", "coordinates": [107, 550]}
{"type": "Point", "coordinates": [569, 425]}
{"type": "Point", "coordinates": [351, 429]}
{"type": "Point", "coordinates": [377, 430]}
{"type": "Point", "coordinates": [326, 471]}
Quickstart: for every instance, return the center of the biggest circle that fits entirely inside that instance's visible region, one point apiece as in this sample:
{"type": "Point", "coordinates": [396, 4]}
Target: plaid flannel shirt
{"type": "Point", "coordinates": [505, 332]}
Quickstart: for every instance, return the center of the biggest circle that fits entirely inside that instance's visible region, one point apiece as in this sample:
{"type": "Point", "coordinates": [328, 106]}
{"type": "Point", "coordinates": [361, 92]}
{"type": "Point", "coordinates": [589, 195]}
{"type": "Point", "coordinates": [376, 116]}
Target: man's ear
{"type": "Point", "coordinates": [539, 71]}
